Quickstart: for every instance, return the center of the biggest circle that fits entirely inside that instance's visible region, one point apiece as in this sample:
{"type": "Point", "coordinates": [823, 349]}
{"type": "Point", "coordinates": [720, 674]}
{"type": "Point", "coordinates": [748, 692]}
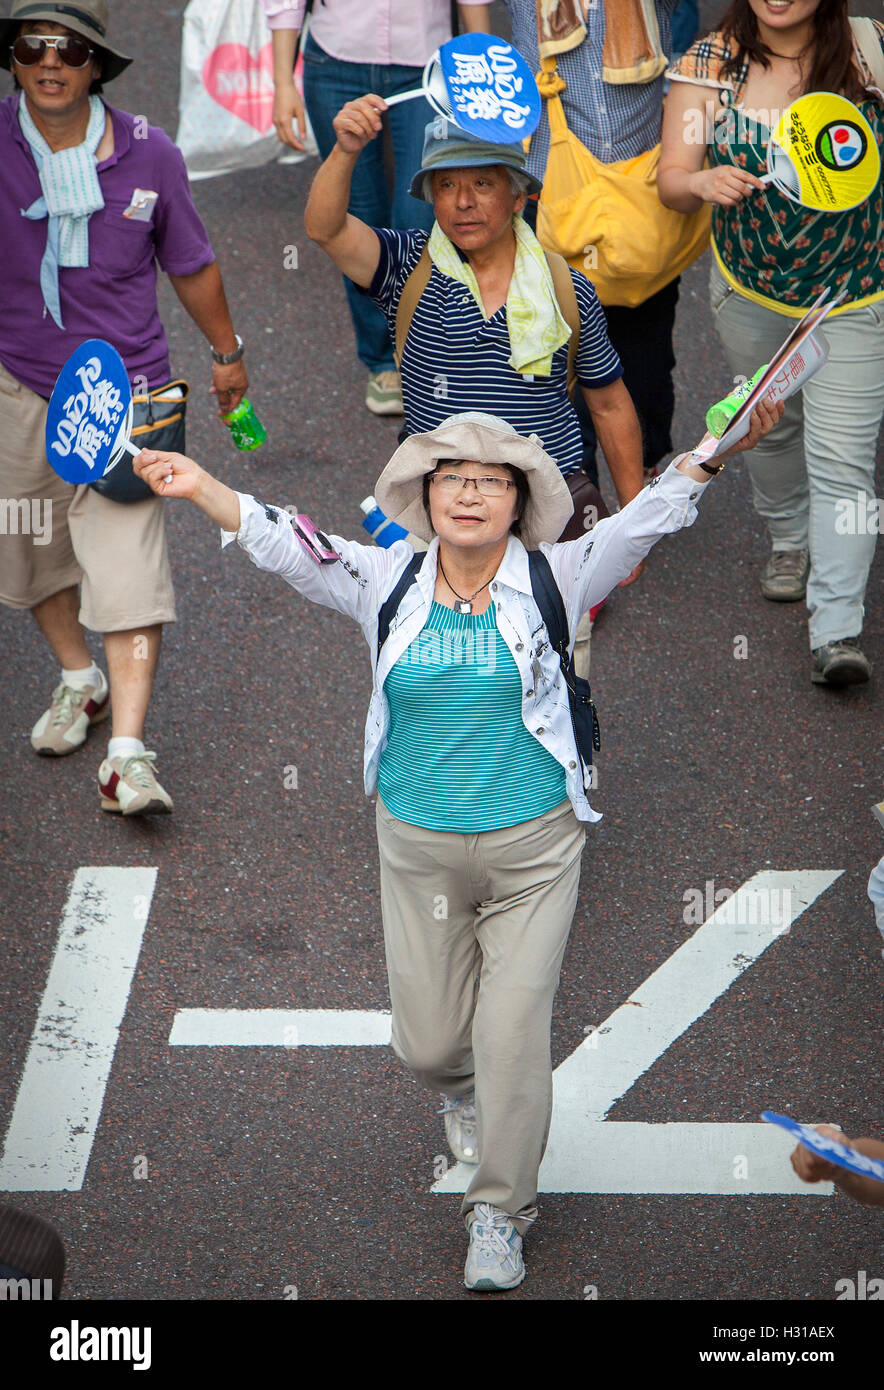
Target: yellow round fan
{"type": "Point", "coordinates": [823, 153]}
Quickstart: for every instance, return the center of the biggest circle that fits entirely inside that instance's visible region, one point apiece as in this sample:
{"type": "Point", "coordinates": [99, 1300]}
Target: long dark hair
{"type": "Point", "coordinates": [830, 51]}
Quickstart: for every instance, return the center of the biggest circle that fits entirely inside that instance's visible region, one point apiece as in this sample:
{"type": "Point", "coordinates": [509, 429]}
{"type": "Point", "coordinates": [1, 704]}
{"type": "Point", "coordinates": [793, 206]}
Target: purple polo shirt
{"type": "Point", "coordinates": [115, 296]}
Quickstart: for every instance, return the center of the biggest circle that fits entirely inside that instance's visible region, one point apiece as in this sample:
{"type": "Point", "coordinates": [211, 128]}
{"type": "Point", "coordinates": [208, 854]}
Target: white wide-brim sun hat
{"type": "Point", "coordinates": [476, 438]}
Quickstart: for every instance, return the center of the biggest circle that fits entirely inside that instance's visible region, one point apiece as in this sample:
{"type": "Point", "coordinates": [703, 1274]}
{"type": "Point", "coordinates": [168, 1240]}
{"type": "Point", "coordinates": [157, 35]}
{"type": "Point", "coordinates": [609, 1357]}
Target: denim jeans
{"type": "Point", "coordinates": [328, 84]}
{"type": "Point", "coordinates": [813, 477]}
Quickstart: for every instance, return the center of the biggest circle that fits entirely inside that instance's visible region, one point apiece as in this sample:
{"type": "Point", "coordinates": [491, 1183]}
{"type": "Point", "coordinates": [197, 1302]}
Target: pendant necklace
{"type": "Point", "coordinates": [463, 605]}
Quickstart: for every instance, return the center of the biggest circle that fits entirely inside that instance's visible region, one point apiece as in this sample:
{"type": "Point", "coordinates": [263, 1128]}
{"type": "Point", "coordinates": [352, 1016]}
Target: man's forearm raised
{"type": "Point", "coordinates": [352, 244]}
{"type": "Point", "coordinates": [325, 215]}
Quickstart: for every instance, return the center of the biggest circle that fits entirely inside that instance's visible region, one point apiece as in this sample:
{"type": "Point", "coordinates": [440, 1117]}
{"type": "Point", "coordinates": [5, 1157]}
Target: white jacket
{"type": "Point", "coordinates": [586, 570]}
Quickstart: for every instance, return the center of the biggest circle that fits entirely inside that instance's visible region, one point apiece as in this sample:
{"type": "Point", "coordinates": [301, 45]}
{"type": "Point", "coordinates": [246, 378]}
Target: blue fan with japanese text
{"type": "Point", "coordinates": [482, 84]}
{"type": "Point", "coordinates": [90, 414]}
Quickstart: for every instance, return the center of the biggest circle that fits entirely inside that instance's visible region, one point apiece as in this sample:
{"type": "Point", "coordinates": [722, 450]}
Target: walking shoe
{"type": "Point", "coordinates": [461, 1127]}
{"type": "Point", "coordinates": [63, 727]}
{"type": "Point", "coordinates": [130, 785]}
{"type": "Point", "coordinates": [840, 663]}
{"type": "Point", "coordinates": [784, 577]}
{"type": "Point", "coordinates": [494, 1259]}
{"type": "Point", "coordinates": [383, 393]}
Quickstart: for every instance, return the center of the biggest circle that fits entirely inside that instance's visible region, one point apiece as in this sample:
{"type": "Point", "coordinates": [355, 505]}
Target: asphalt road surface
{"type": "Point", "coordinates": [244, 1172]}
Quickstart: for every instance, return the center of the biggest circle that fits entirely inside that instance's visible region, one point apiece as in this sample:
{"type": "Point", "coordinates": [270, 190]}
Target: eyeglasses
{"type": "Point", "coordinates": [31, 48]}
{"type": "Point", "coordinates": [450, 483]}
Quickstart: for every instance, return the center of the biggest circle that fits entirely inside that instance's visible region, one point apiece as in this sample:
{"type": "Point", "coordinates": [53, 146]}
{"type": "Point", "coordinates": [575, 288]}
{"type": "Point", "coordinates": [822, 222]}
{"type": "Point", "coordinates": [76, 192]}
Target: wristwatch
{"type": "Point", "coordinates": [225, 359]}
{"type": "Point", "coordinates": [699, 463]}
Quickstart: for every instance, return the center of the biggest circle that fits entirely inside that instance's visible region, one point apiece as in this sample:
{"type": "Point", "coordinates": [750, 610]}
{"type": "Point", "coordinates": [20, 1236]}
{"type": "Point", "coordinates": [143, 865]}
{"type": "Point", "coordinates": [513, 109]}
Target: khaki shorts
{"type": "Point", "coordinates": [54, 535]}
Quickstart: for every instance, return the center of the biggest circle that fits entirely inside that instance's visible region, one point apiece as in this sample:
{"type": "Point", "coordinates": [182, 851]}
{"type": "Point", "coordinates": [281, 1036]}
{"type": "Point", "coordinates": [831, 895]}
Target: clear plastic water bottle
{"type": "Point", "coordinates": [245, 427]}
{"type": "Point", "coordinates": [382, 531]}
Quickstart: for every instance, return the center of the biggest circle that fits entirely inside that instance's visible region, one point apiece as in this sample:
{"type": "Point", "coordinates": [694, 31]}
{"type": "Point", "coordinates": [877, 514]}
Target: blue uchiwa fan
{"type": "Point", "coordinates": [89, 418]}
{"type": "Point", "coordinates": [841, 1154]}
{"type": "Point", "coordinates": [482, 84]}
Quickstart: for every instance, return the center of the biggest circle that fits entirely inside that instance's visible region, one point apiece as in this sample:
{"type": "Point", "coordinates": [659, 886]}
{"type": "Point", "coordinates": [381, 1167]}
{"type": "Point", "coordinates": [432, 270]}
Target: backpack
{"type": "Point", "coordinates": [419, 278]}
{"type": "Point", "coordinates": [548, 598]}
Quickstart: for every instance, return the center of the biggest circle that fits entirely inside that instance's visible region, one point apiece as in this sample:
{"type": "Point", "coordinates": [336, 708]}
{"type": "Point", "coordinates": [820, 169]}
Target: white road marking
{"type": "Point", "coordinates": [587, 1153]}
{"type": "Point", "coordinates": [280, 1028]}
{"type": "Point", "coordinates": [69, 1058]}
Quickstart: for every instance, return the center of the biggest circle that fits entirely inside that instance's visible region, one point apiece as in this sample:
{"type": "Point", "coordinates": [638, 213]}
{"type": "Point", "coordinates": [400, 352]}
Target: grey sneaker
{"type": "Point", "coordinates": [840, 663]}
{"type": "Point", "coordinates": [63, 727]}
{"type": "Point", "coordinates": [383, 393]}
{"type": "Point", "coordinates": [494, 1259]}
{"type": "Point", "coordinates": [461, 1127]}
{"type": "Point", "coordinates": [784, 577]}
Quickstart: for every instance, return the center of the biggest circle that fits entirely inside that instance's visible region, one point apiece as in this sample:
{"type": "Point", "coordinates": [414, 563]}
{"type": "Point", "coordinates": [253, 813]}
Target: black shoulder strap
{"type": "Point", "coordinates": [549, 600]}
{"type": "Point", "coordinates": [544, 587]}
{"type": "Point", "coordinates": [390, 606]}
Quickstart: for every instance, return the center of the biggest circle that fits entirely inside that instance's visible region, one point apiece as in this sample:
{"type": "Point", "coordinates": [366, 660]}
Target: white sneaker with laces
{"type": "Point", "coordinates": [63, 727]}
{"type": "Point", "coordinates": [494, 1259]}
{"type": "Point", "coordinates": [461, 1127]}
{"type": "Point", "coordinates": [129, 785]}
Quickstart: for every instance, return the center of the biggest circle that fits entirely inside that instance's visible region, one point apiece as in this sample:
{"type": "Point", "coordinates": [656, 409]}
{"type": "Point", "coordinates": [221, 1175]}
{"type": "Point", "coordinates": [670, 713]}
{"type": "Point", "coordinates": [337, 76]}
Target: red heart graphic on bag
{"type": "Point", "coordinates": [243, 85]}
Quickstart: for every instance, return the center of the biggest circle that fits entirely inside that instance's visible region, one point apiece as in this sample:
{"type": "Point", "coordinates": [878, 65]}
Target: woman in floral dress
{"type": "Point", "coordinates": [813, 478]}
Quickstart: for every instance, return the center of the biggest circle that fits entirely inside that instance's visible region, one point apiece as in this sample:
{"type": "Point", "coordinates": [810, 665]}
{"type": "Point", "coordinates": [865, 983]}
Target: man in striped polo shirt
{"type": "Point", "coordinates": [487, 332]}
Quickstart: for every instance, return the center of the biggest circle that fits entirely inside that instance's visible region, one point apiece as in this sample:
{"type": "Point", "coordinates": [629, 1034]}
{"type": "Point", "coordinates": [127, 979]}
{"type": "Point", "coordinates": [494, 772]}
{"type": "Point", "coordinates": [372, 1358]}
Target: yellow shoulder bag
{"type": "Point", "coordinates": [606, 219]}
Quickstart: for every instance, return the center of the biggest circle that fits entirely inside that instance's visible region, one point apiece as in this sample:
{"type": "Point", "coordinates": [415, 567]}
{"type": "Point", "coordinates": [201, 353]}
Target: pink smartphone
{"type": "Point", "coordinates": [315, 542]}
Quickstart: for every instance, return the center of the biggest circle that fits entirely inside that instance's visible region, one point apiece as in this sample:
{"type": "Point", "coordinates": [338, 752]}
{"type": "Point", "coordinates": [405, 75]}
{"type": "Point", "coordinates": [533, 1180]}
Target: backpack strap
{"type": "Point", "coordinates": [414, 286]}
{"type": "Point", "coordinates": [548, 597]}
{"type": "Point", "coordinates": [567, 297]}
{"type": "Point", "coordinates": [867, 38]}
{"type": "Point", "coordinates": [390, 606]}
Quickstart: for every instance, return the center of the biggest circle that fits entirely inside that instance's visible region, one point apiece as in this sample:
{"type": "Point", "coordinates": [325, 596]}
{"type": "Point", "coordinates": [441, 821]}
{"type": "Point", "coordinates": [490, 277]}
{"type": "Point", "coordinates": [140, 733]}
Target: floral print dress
{"type": "Point", "coordinates": [770, 249]}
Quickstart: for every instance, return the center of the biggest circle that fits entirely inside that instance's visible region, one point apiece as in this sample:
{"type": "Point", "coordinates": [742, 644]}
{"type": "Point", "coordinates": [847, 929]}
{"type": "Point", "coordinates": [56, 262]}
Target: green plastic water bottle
{"type": "Point", "coordinates": [245, 427]}
{"type": "Point", "coordinates": [719, 416]}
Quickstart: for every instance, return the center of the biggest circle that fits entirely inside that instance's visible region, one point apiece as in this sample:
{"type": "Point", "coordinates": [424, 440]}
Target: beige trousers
{"type": "Point", "coordinates": [116, 551]}
{"type": "Point", "coordinates": [475, 928]}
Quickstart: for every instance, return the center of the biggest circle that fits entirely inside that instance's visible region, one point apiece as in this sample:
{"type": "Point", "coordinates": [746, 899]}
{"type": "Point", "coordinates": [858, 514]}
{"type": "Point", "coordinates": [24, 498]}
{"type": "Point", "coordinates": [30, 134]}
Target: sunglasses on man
{"type": "Point", "coordinates": [31, 48]}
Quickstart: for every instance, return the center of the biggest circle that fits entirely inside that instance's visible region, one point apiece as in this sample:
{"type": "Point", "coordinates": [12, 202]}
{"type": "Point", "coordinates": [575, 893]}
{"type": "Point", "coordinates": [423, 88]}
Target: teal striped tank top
{"type": "Point", "coordinates": [458, 756]}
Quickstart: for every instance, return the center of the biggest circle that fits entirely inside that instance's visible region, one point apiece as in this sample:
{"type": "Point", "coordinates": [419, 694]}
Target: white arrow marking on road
{"type": "Point", "coordinates": [280, 1028]}
{"type": "Point", "coordinates": [61, 1092]}
{"type": "Point", "coordinates": [587, 1153]}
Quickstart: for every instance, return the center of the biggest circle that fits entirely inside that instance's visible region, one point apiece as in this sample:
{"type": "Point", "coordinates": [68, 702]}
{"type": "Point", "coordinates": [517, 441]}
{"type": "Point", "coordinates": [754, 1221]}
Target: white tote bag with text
{"type": "Point", "coordinates": [226, 102]}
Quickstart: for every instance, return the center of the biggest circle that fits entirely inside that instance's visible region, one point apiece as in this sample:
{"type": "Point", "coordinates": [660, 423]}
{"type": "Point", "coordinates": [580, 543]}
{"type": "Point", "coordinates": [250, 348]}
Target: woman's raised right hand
{"type": "Point", "coordinates": [726, 185]}
{"type": "Point", "coordinates": [158, 468]}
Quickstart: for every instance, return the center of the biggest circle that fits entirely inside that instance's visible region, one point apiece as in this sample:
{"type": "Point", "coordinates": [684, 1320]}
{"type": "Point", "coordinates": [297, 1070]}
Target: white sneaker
{"type": "Point", "coordinates": [383, 393]}
{"type": "Point", "coordinates": [494, 1259]}
{"type": "Point", "coordinates": [461, 1127]}
{"type": "Point", "coordinates": [129, 785]}
{"type": "Point", "coordinates": [73, 710]}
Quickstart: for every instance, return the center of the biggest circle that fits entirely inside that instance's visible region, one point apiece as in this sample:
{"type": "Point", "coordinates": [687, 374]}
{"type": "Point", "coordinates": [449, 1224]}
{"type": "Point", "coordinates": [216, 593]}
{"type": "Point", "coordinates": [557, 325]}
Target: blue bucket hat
{"type": "Point", "coordinates": [446, 146]}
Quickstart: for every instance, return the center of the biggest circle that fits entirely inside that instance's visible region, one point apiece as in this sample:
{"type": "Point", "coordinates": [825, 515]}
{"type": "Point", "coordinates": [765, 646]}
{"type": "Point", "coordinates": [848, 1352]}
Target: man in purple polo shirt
{"type": "Point", "coordinates": [82, 236]}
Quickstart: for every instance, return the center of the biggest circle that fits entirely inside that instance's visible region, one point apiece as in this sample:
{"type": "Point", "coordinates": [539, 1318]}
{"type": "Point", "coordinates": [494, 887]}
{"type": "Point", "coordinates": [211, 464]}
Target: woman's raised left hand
{"type": "Point", "coordinates": [765, 417]}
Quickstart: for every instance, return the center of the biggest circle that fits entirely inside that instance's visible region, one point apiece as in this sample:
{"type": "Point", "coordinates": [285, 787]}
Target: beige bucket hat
{"type": "Point", "coordinates": [479, 438]}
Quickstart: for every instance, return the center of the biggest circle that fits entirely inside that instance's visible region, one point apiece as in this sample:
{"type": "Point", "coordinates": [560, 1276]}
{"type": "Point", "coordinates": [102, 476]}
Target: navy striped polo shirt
{"type": "Point", "coordinates": [457, 360]}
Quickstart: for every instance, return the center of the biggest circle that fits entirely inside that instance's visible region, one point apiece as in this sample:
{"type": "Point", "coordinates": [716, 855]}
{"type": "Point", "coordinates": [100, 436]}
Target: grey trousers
{"type": "Point", "coordinates": [475, 928]}
{"type": "Point", "coordinates": [813, 477]}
